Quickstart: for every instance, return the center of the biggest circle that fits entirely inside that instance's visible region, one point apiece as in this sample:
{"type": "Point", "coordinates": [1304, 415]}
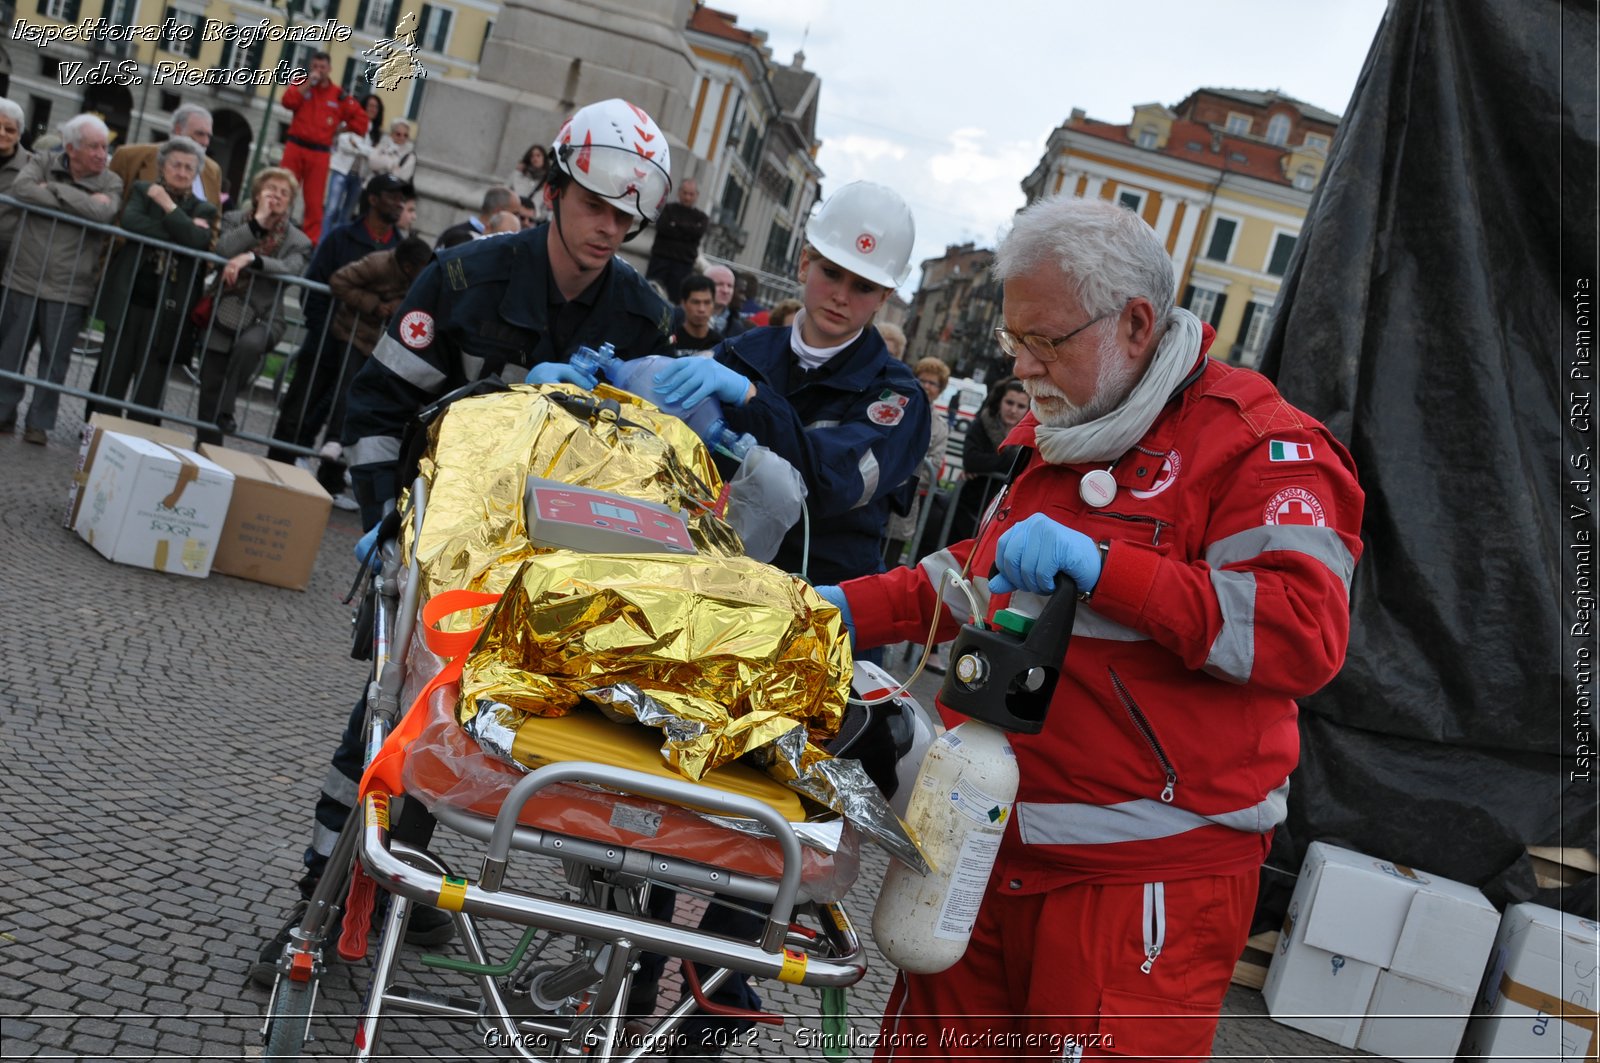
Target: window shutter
{"type": "Point", "coordinates": [1216, 312]}
{"type": "Point", "coordinates": [71, 12]}
{"type": "Point", "coordinates": [1188, 296]}
{"type": "Point", "coordinates": [331, 11]}
{"type": "Point", "coordinates": [425, 25]}
{"type": "Point", "coordinates": [361, 14]}
{"type": "Point", "coordinates": [443, 37]}
{"type": "Point", "coordinates": [394, 16]}
{"type": "Point", "coordinates": [1281, 250]}
{"type": "Point", "coordinates": [1244, 325]}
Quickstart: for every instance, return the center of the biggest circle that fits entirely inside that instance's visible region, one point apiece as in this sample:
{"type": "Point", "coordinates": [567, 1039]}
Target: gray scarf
{"type": "Point", "coordinates": [1114, 434]}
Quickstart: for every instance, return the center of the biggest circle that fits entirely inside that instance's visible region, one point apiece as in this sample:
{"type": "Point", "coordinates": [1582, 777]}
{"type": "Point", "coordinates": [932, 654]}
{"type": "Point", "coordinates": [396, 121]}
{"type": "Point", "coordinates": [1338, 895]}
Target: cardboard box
{"type": "Point", "coordinates": [1377, 956]}
{"type": "Point", "coordinates": [153, 506]}
{"type": "Point", "coordinates": [1539, 994]}
{"type": "Point", "coordinates": [275, 521]}
{"type": "Point", "coordinates": [88, 445]}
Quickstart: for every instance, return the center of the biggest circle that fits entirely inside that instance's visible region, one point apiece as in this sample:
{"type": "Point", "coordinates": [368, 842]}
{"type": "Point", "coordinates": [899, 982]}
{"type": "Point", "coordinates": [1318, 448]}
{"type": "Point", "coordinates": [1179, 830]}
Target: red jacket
{"type": "Point", "coordinates": [1224, 595]}
{"type": "Point", "coordinates": [319, 112]}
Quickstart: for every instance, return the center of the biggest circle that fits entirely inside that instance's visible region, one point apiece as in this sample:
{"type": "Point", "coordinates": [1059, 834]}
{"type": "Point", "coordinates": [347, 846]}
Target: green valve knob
{"type": "Point", "coordinates": [1018, 624]}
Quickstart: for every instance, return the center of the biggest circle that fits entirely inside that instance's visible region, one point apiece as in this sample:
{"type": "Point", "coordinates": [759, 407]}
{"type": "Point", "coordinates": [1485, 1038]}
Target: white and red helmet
{"type": "Point", "coordinates": [868, 229]}
{"type": "Point", "coordinates": [617, 151]}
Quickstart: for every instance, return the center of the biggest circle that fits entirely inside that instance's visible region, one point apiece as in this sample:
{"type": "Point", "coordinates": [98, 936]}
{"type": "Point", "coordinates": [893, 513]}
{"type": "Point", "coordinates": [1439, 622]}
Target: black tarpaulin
{"type": "Point", "coordinates": [1431, 319]}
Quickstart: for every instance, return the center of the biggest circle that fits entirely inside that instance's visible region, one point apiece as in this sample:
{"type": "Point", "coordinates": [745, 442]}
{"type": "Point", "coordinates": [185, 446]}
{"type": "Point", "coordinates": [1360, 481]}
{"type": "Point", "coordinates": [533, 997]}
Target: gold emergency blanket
{"type": "Point", "coordinates": [724, 654]}
{"type": "Point", "coordinates": [483, 449]}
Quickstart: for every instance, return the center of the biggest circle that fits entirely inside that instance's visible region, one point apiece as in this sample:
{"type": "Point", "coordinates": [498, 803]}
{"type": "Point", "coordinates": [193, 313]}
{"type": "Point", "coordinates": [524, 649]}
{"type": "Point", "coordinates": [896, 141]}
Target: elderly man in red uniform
{"type": "Point", "coordinates": [1211, 530]}
{"type": "Point", "coordinates": [320, 107]}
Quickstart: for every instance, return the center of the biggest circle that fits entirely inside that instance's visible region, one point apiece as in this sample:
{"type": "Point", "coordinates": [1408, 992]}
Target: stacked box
{"type": "Point", "coordinates": [1539, 994]}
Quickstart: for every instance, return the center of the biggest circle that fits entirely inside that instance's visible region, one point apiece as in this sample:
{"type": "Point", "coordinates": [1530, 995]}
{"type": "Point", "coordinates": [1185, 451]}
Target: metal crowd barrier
{"type": "Point", "coordinates": [169, 357]}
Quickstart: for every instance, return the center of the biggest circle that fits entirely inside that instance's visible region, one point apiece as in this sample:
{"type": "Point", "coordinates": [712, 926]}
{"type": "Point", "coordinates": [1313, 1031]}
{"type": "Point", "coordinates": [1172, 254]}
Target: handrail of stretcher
{"type": "Point", "coordinates": [767, 960]}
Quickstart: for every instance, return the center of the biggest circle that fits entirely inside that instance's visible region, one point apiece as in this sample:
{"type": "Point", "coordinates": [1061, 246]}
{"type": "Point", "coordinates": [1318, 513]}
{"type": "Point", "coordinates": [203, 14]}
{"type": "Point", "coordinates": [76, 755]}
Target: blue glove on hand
{"type": "Point", "coordinates": [559, 373]}
{"type": "Point", "coordinates": [688, 382]}
{"type": "Point", "coordinates": [1030, 555]}
{"type": "Point", "coordinates": [367, 544]}
{"type": "Point", "coordinates": [835, 597]}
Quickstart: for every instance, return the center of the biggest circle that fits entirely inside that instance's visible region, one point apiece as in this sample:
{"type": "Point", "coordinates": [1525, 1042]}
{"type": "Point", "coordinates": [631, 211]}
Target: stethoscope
{"type": "Point", "coordinates": [1098, 487]}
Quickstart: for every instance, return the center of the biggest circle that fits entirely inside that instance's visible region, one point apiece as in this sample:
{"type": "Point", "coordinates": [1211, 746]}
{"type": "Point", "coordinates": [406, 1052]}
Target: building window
{"type": "Point", "coordinates": [1147, 138]}
{"type": "Point", "coordinates": [1282, 248]}
{"type": "Point", "coordinates": [64, 10]}
{"type": "Point", "coordinates": [1238, 156]}
{"type": "Point", "coordinates": [119, 13]}
{"type": "Point", "coordinates": [776, 258]}
{"type": "Point", "coordinates": [1131, 199]}
{"type": "Point", "coordinates": [414, 106]}
{"type": "Point", "coordinates": [298, 54]}
{"type": "Point", "coordinates": [1253, 329]}
{"type": "Point", "coordinates": [1314, 141]}
{"type": "Point", "coordinates": [732, 200]}
{"type": "Point", "coordinates": [352, 71]}
{"type": "Point", "coordinates": [488, 28]}
{"type": "Point", "coordinates": [177, 42]}
{"type": "Point", "coordinates": [433, 32]}
{"type": "Point", "coordinates": [236, 58]}
{"type": "Point", "coordinates": [1205, 304]}
{"type": "Point", "coordinates": [1220, 246]}
{"type": "Point", "coordinates": [1305, 179]}
{"type": "Point", "coordinates": [39, 118]}
{"type": "Point", "coordinates": [1238, 124]}
{"type": "Point", "coordinates": [1278, 129]}
{"type": "Point", "coordinates": [376, 17]}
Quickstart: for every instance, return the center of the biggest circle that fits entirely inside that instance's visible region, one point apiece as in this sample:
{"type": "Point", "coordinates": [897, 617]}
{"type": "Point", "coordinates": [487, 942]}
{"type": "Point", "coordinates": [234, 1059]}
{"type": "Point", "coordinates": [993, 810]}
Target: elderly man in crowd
{"type": "Point", "coordinates": [496, 200]}
{"type": "Point", "coordinates": [51, 276]}
{"type": "Point", "coordinates": [13, 156]}
{"type": "Point", "coordinates": [725, 318]}
{"type": "Point", "coordinates": [1210, 531]}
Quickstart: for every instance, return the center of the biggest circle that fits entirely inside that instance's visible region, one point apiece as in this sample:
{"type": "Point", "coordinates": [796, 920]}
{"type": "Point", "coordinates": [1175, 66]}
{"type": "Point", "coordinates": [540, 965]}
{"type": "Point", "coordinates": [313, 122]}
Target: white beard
{"type": "Point", "coordinates": [1113, 384]}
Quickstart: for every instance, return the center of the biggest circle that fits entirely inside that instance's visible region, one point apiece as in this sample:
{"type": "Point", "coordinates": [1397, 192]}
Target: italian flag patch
{"type": "Point", "coordinates": [1281, 451]}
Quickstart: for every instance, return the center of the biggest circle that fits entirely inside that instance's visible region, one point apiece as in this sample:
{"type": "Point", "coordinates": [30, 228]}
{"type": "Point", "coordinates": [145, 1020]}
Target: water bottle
{"type": "Point", "coordinates": [638, 377]}
{"type": "Point", "coordinates": [734, 444]}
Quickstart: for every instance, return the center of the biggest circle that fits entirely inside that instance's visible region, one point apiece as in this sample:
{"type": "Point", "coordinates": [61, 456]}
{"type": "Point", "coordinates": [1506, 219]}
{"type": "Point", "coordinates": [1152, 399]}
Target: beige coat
{"type": "Point", "coordinates": [60, 261]}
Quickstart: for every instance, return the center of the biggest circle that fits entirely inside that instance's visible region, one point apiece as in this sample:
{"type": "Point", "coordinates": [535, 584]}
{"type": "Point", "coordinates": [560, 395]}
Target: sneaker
{"type": "Point", "coordinates": [265, 970]}
{"type": "Point", "coordinates": [429, 926]}
{"type": "Point", "coordinates": [35, 436]}
{"type": "Point", "coordinates": [332, 450]}
{"type": "Point", "coordinates": [342, 500]}
{"type": "Point", "coordinates": [307, 464]}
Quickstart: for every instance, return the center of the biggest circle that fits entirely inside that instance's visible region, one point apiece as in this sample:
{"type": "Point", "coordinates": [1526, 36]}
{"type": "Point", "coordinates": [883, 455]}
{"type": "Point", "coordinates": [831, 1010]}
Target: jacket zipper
{"type": "Point", "coordinates": [1157, 524]}
{"type": "Point", "coordinates": [1155, 923]}
{"type": "Point", "coordinates": [1143, 725]}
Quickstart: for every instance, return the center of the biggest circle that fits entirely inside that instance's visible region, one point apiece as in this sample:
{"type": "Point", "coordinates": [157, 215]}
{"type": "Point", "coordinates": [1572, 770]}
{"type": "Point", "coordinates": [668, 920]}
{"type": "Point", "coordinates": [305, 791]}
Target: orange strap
{"type": "Point", "coordinates": [1565, 1010]}
{"type": "Point", "coordinates": [384, 771]}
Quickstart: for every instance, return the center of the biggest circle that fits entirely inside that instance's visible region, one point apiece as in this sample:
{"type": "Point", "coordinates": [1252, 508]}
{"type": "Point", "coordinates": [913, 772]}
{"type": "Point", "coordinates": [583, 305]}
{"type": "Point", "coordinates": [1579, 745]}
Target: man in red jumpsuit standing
{"type": "Point", "coordinates": [1211, 530]}
{"type": "Point", "coordinates": [319, 108]}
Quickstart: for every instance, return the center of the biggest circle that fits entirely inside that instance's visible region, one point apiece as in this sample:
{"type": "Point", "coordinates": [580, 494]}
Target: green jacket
{"type": "Point", "coordinates": [136, 270]}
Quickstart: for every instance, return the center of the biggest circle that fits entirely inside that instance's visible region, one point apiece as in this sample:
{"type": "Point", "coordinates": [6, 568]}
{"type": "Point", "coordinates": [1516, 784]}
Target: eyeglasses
{"type": "Point", "coordinates": [1043, 348]}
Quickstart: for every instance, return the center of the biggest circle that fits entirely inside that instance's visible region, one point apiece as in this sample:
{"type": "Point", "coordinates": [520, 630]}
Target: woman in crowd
{"type": "Point", "coordinates": [148, 289]}
{"type": "Point", "coordinates": [347, 170]}
{"type": "Point", "coordinates": [12, 157]}
{"type": "Point", "coordinates": [528, 179]}
{"type": "Point", "coordinates": [782, 315]}
{"type": "Point", "coordinates": [933, 375]}
{"type": "Point", "coordinates": [261, 243]}
{"type": "Point", "coordinates": [394, 153]}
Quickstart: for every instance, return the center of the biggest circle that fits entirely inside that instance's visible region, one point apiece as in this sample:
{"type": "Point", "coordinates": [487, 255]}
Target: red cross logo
{"type": "Point", "coordinates": [866, 244]}
{"type": "Point", "coordinates": [416, 330]}
{"type": "Point", "coordinates": [1295, 507]}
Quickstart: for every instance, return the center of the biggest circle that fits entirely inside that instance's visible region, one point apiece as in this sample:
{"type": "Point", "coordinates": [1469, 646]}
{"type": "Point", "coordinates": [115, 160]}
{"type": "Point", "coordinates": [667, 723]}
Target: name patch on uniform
{"type": "Point", "coordinates": [416, 330]}
{"type": "Point", "coordinates": [1294, 506]}
{"type": "Point", "coordinates": [1278, 450]}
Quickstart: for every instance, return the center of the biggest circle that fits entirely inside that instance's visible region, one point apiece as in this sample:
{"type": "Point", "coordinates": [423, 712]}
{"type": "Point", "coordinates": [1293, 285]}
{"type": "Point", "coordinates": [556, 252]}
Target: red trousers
{"type": "Point", "coordinates": [311, 169]}
{"type": "Point", "coordinates": [1070, 973]}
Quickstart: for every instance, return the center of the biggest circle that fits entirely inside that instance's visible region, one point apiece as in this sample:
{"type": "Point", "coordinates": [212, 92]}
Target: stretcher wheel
{"type": "Point", "coordinates": [290, 1019]}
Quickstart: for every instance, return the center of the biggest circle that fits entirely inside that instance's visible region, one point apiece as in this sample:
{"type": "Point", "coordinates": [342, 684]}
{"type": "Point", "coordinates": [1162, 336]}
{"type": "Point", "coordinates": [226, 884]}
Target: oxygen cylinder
{"type": "Point", "coordinates": [960, 808]}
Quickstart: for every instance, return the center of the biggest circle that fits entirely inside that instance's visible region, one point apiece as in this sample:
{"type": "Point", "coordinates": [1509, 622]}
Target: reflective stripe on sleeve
{"type": "Point", "coordinates": [1323, 544]}
{"type": "Point", "coordinates": [407, 364]}
{"type": "Point", "coordinates": [868, 467]}
{"type": "Point", "coordinates": [1233, 653]}
{"type": "Point", "coordinates": [373, 450]}
{"type": "Point", "coordinates": [1041, 823]}
{"type": "Point", "coordinates": [1088, 624]}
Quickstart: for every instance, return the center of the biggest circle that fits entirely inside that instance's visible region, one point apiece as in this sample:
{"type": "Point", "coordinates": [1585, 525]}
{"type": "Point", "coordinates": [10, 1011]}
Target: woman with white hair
{"type": "Point", "coordinates": [149, 288]}
{"type": "Point", "coordinates": [12, 157]}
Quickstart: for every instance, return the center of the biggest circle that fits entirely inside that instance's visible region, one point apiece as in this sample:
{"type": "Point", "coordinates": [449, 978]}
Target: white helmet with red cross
{"type": "Point", "coordinates": [617, 151]}
{"type": "Point", "coordinates": [867, 229]}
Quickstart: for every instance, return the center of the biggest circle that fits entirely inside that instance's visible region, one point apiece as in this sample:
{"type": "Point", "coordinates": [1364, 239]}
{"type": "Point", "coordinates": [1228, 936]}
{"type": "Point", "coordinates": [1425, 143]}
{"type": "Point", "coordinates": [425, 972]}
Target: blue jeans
{"type": "Point", "coordinates": [344, 194]}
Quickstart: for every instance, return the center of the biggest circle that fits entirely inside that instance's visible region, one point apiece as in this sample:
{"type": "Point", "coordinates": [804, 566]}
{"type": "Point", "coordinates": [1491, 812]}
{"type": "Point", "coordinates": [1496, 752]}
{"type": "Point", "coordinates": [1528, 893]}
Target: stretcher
{"type": "Point", "coordinates": [602, 819]}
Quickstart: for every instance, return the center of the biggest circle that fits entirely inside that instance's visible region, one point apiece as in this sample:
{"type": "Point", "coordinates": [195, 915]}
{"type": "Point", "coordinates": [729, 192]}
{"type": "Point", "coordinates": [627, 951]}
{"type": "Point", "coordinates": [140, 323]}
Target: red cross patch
{"type": "Point", "coordinates": [866, 244]}
{"type": "Point", "coordinates": [1294, 506]}
{"type": "Point", "coordinates": [416, 330]}
{"type": "Point", "coordinates": [1170, 464]}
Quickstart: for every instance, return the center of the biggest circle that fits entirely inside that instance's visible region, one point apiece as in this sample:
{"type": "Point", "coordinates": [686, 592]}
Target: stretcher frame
{"type": "Point", "coordinates": [802, 942]}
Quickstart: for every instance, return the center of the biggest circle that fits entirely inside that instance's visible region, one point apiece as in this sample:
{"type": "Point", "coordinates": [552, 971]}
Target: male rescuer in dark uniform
{"type": "Point", "coordinates": [501, 307]}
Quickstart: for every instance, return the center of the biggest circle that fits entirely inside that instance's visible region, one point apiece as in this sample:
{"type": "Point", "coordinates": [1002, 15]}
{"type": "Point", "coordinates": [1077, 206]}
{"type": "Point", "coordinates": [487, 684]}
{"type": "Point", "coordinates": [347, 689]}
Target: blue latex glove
{"type": "Point", "coordinates": [835, 597]}
{"type": "Point", "coordinates": [1030, 555]}
{"type": "Point", "coordinates": [559, 373]}
{"type": "Point", "coordinates": [688, 382]}
{"type": "Point", "coordinates": [367, 545]}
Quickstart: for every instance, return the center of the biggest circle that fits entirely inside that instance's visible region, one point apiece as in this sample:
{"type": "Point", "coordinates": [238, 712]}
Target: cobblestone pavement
{"type": "Point", "coordinates": [164, 739]}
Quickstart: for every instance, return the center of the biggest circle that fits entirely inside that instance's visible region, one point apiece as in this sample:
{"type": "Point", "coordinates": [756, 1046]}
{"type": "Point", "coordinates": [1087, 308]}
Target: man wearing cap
{"type": "Point", "coordinates": [321, 362]}
{"type": "Point", "coordinates": [516, 306]}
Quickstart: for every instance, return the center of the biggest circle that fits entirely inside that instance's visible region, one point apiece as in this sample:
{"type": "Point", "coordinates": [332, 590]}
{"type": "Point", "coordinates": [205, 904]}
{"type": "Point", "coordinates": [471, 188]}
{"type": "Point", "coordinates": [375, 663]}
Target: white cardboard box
{"type": "Point", "coordinates": [153, 506]}
{"type": "Point", "coordinates": [1539, 994]}
{"type": "Point", "coordinates": [89, 445]}
{"type": "Point", "coordinates": [1367, 943]}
